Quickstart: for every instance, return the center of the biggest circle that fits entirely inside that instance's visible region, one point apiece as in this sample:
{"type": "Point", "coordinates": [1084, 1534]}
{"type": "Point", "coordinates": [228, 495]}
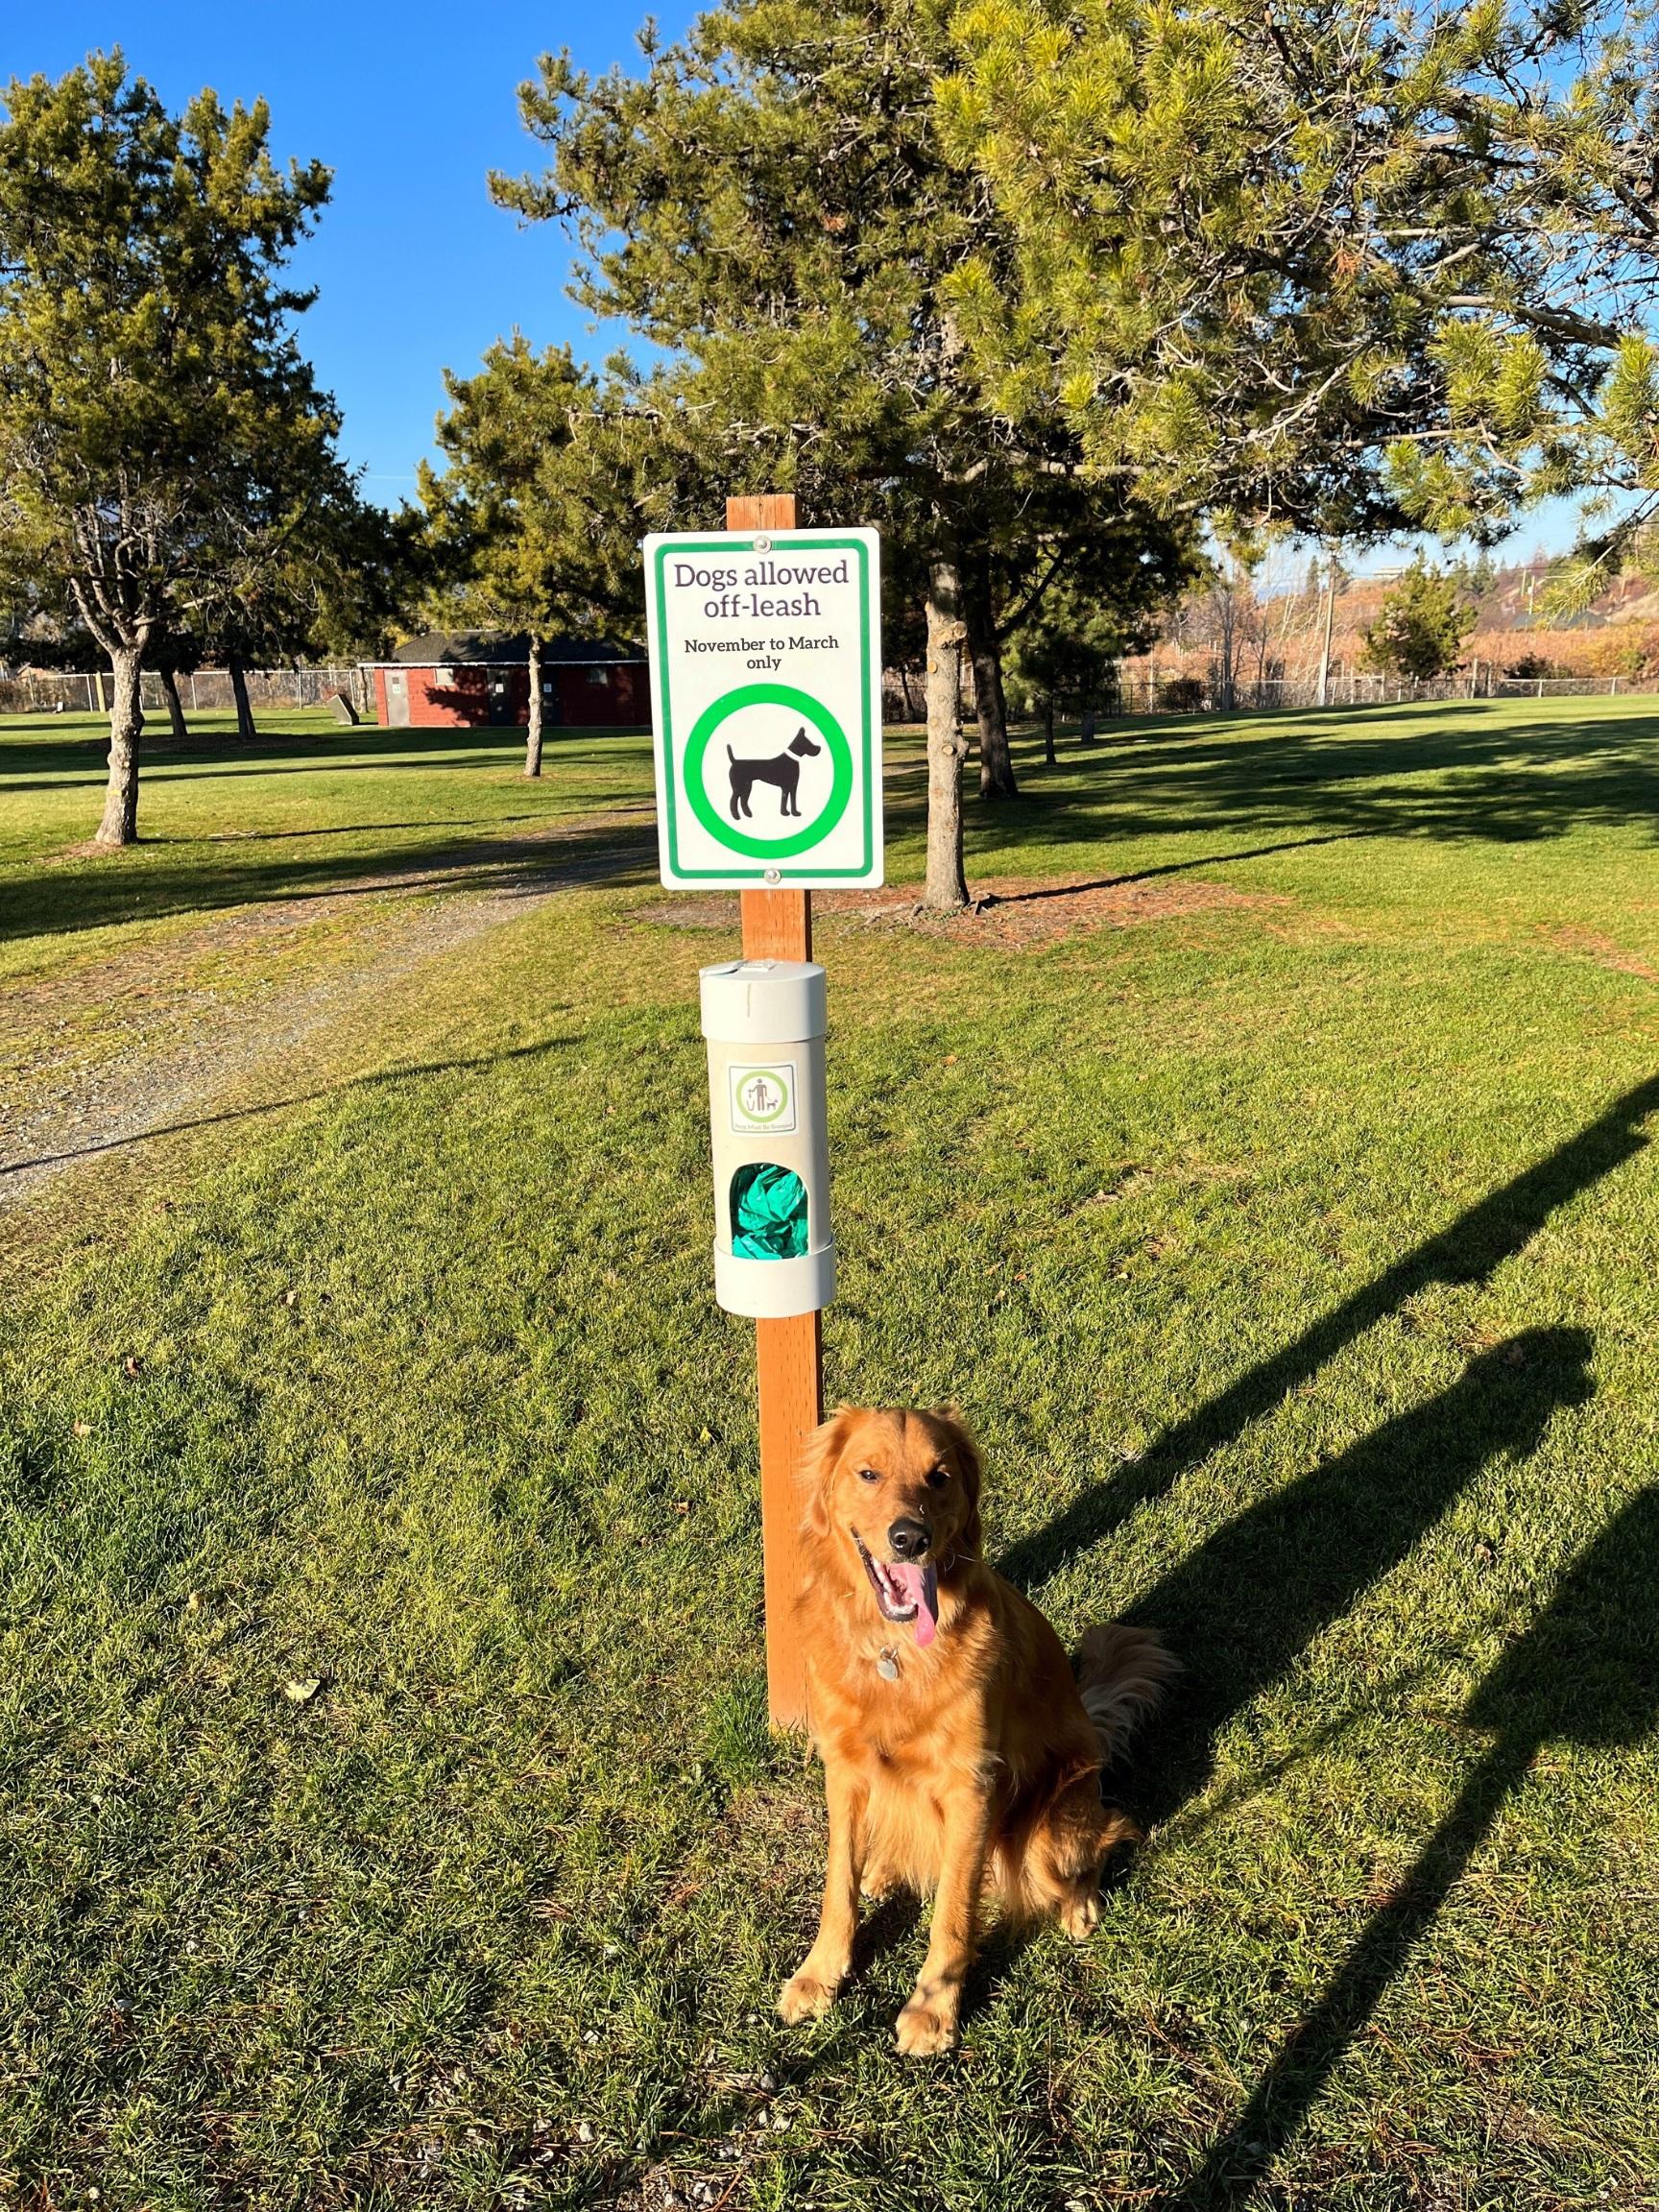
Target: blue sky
{"type": "Point", "coordinates": [410, 105]}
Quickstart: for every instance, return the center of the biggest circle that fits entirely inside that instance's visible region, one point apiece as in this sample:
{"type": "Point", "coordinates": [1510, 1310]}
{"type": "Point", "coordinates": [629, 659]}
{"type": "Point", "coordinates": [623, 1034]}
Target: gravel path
{"type": "Point", "coordinates": [184, 1052]}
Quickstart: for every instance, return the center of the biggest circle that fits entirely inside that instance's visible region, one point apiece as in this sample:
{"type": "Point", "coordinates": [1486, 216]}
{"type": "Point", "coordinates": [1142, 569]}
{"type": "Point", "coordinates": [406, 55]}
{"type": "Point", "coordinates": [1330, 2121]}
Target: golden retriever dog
{"type": "Point", "coordinates": [961, 1753]}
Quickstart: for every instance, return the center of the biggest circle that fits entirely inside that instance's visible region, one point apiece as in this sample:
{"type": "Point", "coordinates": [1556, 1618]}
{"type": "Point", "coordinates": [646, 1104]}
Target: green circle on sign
{"type": "Point", "coordinates": [782, 1104]}
{"type": "Point", "coordinates": [802, 703]}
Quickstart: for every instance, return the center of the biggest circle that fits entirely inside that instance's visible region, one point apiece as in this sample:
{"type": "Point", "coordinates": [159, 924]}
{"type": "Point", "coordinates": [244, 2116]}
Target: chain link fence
{"type": "Point", "coordinates": [209, 691]}
{"type": "Point", "coordinates": [1138, 687]}
{"type": "Point", "coordinates": [1147, 689]}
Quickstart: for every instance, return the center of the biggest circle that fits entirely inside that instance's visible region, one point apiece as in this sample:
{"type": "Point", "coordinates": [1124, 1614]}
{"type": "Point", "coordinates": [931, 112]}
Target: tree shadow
{"type": "Point", "coordinates": [1584, 1673]}
{"type": "Point", "coordinates": [1168, 868]}
{"type": "Point", "coordinates": [381, 1076]}
{"type": "Point", "coordinates": [1468, 1250]}
{"type": "Point", "coordinates": [345, 829]}
{"type": "Point", "coordinates": [1242, 1608]}
{"type": "Point", "coordinates": [1463, 772]}
{"type": "Point", "coordinates": [60, 901]}
{"type": "Point", "coordinates": [73, 758]}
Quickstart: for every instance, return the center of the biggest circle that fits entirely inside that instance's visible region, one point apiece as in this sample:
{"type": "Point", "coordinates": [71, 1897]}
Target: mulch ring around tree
{"type": "Point", "coordinates": [1013, 912]}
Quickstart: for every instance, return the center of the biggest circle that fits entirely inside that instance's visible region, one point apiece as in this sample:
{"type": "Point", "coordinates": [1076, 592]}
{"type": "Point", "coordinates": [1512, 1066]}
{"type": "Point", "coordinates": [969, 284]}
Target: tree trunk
{"type": "Point", "coordinates": [1051, 758]}
{"type": "Point", "coordinates": [1325, 648]}
{"type": "Point", "coordinates": [947, 887]}
{"type": "Point", "coordinates": [244, 705]}
{"type": "Point", "coordinates": [909, 695]}
{"type": "Point", "coordinates": [174, 706]}
{"type": "Point", "coordinates": [990, 702]}
{"type": "Point", "coordinates": [1085, 720]}
{"type": "Point", "coordinates": [533, 729]}
{"type": "Point", "coordinates": [120, 823]}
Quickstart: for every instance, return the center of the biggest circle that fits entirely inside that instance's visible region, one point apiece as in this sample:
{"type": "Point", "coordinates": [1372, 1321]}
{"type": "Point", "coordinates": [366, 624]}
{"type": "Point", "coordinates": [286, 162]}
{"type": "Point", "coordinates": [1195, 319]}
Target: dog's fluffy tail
{"type": "Point", "coordinates": [1122, 1672]}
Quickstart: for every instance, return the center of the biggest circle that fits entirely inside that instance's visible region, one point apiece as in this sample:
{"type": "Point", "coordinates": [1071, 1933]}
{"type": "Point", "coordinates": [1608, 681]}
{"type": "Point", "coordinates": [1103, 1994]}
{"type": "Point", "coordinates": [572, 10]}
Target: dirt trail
{"type": "Point", "coordinates": [184, 1050]}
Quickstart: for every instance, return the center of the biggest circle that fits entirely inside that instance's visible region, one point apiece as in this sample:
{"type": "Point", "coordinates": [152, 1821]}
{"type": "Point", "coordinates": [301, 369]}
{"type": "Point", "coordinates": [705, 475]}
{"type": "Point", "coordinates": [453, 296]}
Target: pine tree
{"type": "Point", "coordinates": [771, 202]}
{"type": "Point", "coordinates": [1104, 606]}
{"type": "Point", "coordinates": [1237, 240]}
{"type": "Point", "coordinates": [532, 524]}
{"type": "Point", "coordinates": [1421, 628]}
{"type": "Point", "coordinates": [160, 437]}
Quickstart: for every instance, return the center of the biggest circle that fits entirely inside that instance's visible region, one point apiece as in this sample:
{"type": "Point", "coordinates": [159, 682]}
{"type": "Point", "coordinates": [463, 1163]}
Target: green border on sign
{"type": "Point", "coordinates": [730, 545]}
{"type": "Point", "coordinates": [835, 738]}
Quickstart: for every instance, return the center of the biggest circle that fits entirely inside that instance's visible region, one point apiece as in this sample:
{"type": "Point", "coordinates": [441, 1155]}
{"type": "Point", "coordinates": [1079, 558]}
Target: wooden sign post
{"type": "Point", "coordinates": [766, 717]}
{"type": "Point", "coordinates": [789, 1353]}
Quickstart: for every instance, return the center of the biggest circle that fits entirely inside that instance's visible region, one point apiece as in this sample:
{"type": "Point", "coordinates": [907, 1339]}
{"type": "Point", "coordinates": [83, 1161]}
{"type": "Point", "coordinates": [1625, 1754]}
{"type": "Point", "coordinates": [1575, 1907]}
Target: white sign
{"type": "Point", "coordinates": [766, 703]}
{"type": "Point", "coordinates": [763, 1099]}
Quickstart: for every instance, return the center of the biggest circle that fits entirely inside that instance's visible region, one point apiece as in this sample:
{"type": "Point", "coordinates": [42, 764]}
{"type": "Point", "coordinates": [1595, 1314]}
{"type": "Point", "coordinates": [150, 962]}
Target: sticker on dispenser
{"type": "Point", "coordinates": [763, 1099]}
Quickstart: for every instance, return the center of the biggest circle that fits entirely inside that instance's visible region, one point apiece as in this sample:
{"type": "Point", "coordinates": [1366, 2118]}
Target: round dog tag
{"type": "Point", "coordinates": [887, 1667]}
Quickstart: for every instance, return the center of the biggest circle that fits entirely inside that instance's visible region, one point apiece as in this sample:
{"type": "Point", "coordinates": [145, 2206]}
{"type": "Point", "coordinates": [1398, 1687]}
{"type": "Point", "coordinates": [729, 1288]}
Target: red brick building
{"type": "Point", "coordinates": [470, 680]}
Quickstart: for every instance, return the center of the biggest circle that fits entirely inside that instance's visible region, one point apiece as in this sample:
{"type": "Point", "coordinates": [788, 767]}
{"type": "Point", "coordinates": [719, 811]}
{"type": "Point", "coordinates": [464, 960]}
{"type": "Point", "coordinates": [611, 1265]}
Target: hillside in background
{"type": "Point", "coordinates": [1235, 640]}
{"type": "Point", "coordinates": [1618, 633]}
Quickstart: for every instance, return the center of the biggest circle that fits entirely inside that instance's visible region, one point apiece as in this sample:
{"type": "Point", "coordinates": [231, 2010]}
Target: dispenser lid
{"type": "Point", "coordinates": [763, 1002]}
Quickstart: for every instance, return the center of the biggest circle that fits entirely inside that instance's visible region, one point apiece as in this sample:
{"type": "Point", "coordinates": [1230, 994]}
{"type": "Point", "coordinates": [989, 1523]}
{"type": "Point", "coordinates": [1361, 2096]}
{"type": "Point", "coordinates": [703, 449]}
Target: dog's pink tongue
{"type": "Point", "coordinates": [921, 1586]}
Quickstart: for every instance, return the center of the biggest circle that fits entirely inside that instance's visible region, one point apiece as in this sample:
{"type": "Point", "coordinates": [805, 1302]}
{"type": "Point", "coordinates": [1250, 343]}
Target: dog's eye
{"type": "Point", "coordinates": [937, 1478]}
{"type": "Point", "coordinates": [868, 1475]}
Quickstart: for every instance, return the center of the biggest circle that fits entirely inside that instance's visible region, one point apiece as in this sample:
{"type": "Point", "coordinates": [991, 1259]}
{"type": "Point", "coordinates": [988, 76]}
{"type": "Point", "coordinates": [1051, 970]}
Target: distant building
{"type": "Point", "coordinates": [474, 680]}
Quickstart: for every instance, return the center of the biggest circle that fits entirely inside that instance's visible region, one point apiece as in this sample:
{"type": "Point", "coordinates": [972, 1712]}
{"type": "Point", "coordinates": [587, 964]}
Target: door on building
{"type": "Point", "coordinates": [397, 699]}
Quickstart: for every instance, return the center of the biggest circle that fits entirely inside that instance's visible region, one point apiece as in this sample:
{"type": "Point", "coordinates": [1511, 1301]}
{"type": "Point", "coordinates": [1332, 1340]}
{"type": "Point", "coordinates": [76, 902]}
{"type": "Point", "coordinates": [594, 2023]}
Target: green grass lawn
{"type": "Point", "coordinates": [1296, 1258]}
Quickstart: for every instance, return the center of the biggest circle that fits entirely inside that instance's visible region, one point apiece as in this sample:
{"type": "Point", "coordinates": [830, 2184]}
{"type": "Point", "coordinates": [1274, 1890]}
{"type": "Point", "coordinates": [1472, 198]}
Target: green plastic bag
{"type": "Point", "coordinates": [768, 1213]}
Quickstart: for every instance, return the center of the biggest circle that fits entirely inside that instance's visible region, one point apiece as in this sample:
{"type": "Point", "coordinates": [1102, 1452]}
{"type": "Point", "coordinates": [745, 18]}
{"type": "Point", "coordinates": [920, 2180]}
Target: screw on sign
{"type": "Point", "coordinates": [765, 652]}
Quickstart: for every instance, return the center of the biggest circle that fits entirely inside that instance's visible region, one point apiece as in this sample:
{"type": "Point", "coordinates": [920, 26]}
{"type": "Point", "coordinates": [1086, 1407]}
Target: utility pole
{"type": "Point", "coordinates": [1330, 615]}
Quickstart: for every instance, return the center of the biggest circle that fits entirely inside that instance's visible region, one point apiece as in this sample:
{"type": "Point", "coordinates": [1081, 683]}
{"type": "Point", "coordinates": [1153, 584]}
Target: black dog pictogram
{"type": "Point", "coordinates": [783, 769]}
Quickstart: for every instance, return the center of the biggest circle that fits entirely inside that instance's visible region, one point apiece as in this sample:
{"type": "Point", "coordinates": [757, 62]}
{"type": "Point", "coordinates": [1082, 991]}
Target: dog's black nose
{"type": "Point", "coordinates": [909, 1539]}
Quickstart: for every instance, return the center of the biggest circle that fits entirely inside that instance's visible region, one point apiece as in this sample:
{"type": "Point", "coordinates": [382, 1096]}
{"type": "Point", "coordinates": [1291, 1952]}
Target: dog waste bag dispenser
{"type": "Point", "coordinates": [764, 1023]}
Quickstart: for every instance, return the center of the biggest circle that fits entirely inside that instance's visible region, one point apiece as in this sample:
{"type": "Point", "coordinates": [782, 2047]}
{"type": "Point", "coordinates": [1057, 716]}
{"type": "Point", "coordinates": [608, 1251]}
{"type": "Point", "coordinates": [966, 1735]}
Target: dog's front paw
{"type": "Point", "coordinates": [805, 1997]}
{"type": "Point", "coordinates": [926, 2029]}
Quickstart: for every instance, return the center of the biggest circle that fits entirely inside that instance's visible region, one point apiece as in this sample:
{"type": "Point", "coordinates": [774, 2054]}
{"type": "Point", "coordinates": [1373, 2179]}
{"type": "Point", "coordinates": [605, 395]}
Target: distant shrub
{"type": "Point", "coordinates": [1421, 626]}
{"type": "Point", "coordinates": [1614, 652]}
{"type": "Point", "coordinates": [1180, 694]}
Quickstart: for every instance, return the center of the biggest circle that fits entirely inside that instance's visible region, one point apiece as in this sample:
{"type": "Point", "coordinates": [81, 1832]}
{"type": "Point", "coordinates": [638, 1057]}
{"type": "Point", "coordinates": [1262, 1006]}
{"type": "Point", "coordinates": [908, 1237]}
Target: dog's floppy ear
{"type": "Point", "coordinates": [966, 1454]}
{"type": "Point", "coordinates": [817, 1464]}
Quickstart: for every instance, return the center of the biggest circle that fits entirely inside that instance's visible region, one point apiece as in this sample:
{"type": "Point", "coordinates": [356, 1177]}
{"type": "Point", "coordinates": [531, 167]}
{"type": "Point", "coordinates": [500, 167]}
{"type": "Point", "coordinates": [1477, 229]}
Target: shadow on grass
{"type": "Point", "coordinates": [79, 758]}
{"type": "Point", "coordinates": [1463, 772]}
{"type": "Point", "coordinates": [112, 890]}
{"type": "Point", "coordinates": [1470, 1250]}
{"type": "Point", "coordinates": [1583, 1674]}
{"type": "Point", "coordinates": [1171, 868]}
{"type": "Point", "coordinates": [1242, 1608]}
{"type": "Point", "coordinates": [381, 1077]}
{"type": "Point", "coordinates": [350, 830]}
{"type": "Point", "coordinates": [1273, 784]}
